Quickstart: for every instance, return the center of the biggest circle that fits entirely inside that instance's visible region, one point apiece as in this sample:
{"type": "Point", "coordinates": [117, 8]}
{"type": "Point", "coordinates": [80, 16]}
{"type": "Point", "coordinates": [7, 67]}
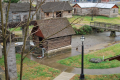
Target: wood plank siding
{"type": "Point", "coordinates": [59, 42]}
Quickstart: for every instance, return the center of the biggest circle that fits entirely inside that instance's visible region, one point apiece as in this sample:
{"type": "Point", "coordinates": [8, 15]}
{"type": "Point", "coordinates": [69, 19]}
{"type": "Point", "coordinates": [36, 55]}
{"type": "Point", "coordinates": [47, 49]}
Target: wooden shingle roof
{"type": "Point", "coordinates": [21, 7]}
{"type": "Point", "coordinates": [51, 26]}
{"type": "Point", "coordinates": [56, 6]}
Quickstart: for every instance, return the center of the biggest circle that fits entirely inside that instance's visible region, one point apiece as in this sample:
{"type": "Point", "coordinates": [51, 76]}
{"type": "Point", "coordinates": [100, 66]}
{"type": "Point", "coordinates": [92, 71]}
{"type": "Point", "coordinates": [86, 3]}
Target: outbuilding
{"type": "Point", "coordinates": [57, 33]}
{"type": "Point", "coordinates": [54, 9]}
{"type": "Point", "coordinates": [104, 9]}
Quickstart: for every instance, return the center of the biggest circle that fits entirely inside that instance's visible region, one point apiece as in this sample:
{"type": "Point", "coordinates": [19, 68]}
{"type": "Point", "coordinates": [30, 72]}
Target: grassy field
{"type": "Point", "coordinates": [33, 70]}
{"type": "Point", "coordinates": [111, 51]}
{"type": "Point", "coordinates": [87, 19]}
{"type": "Point", "coordinates": [19, 28]}
{"type": "Point", "coordinates": [119, 10]}
{"type": "Point", "coordinates": [98, 77]}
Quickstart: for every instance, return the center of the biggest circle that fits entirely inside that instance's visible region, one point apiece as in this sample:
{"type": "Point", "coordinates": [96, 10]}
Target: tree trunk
{"type": "Point", "coordinates": [0, 51]}
{"type": "Point", "coordinates": [27, 45]}
{"type": "Point", "coordinates": [11, 59]}
{"type": "Point", "coordinates": [5, 58]}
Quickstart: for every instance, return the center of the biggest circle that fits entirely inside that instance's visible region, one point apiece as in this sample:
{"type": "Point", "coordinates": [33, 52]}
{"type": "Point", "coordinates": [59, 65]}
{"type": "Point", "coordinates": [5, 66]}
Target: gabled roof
{"type": "Point", "coordinates": [56, 6]}
{"type": "Point", "coordinates": [98, 5]}
{"type": "Point", "coordinates": [51, 26]}
{"type": "Point", "coordinates": [21, 7]}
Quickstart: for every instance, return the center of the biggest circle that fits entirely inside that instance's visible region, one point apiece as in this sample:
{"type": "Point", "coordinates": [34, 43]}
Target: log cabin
{"type": "Point", "coordinates": [57, 33]}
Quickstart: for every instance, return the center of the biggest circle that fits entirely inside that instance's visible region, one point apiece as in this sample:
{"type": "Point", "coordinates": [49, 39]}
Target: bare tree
{"type": "Point", "coordinates": [5, 36]}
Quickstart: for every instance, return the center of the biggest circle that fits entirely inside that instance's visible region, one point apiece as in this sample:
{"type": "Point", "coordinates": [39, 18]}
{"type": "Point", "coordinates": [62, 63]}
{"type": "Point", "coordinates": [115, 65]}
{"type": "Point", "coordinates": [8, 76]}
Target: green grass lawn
{"type": "Point", "coordinates": [119, 10]}
{"type": "Point", "coordinates": [111, 51]}
{"type": "Point", "coordinates": [87, 20]}
{"type": "Point", "coordinates": [98, 77]}
{"type": "Point", "coordinates": [33, 70]}
{"type": "Point", "coordinates": [19, 28]}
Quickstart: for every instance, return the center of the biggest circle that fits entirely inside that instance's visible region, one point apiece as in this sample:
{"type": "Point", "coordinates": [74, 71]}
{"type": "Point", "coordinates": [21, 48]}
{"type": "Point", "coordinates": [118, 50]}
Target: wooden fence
{"type": "Point", "coordinates": [107, 26]}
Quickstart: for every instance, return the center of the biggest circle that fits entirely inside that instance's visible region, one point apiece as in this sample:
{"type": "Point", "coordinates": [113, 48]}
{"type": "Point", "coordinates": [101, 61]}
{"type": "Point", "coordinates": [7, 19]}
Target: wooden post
{"type": "Point", "coordinates": [0, 51]}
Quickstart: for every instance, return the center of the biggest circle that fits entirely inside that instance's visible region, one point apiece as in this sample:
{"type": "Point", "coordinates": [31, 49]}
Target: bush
{"type": "Point", "coordinates": [83, 30]}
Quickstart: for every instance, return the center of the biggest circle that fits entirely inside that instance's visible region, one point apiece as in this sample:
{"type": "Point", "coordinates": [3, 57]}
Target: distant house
{"type": "Point", "coordinates": [46, 28]}
{"type": "Point", "coordinates": [104, 9]}
{"type": "Point", "coordinates": [18, 11]}
{"type": "Point", "coordinates": [54, 9]}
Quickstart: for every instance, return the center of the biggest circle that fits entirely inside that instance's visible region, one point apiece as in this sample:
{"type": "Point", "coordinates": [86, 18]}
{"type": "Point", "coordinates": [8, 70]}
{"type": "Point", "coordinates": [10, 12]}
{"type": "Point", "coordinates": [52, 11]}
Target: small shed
{"type": "Point", "coordinates": [46, 29]}
{"type": "Point", "coordinates": [104, 9]}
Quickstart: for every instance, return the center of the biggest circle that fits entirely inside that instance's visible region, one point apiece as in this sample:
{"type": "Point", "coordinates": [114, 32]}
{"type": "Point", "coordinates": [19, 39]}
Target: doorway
{"type": "Point", "coordinates": [59, 14]}
{"type": "Point", "coordinates": [40, 45]}
{"type": "Point", "coordinates": [75, 11]}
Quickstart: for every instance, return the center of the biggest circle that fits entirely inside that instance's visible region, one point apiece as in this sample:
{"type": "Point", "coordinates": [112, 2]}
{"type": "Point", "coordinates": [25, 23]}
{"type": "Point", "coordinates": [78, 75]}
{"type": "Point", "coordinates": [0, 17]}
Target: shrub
{"type": "Point", "coordinates": [83, 30]}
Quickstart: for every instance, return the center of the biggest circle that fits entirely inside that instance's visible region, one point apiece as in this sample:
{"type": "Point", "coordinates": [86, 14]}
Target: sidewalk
{"type": "Point", "coordinates": [64, 76]}
{"type": "Point", "coordinates": [97, 71]}
{"type": "Point", "coordinates": [68, 76]}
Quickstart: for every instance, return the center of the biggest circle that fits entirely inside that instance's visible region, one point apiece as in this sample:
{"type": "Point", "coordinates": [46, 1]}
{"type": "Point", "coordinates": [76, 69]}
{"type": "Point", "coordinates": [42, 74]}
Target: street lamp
{"type": "Point", "coordinates": [82, 64]}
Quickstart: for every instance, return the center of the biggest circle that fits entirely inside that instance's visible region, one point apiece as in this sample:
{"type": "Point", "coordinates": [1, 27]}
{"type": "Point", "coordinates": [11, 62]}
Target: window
{"type": "Point", "coordinates": [18, 18]}
{"type": "Point", "coordinates": [47, 14]}
{"type": "Point", "coordinates": [69, 11]}
{"type": "Point", "coordinates": [114, 11]}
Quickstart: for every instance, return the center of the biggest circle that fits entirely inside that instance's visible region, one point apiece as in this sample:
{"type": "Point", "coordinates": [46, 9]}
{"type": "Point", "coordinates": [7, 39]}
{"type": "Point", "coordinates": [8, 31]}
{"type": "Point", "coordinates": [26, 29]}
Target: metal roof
{"type": "Point", "coordinates": [98, 5]}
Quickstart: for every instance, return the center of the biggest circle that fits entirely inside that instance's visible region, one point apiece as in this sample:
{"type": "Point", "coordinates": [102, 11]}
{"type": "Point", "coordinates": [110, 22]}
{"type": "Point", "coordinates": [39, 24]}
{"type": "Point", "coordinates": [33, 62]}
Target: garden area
{"type": "Point", "coordinates": [108, 52]}
{"type": "Point", "coordinates": [33, 70]}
